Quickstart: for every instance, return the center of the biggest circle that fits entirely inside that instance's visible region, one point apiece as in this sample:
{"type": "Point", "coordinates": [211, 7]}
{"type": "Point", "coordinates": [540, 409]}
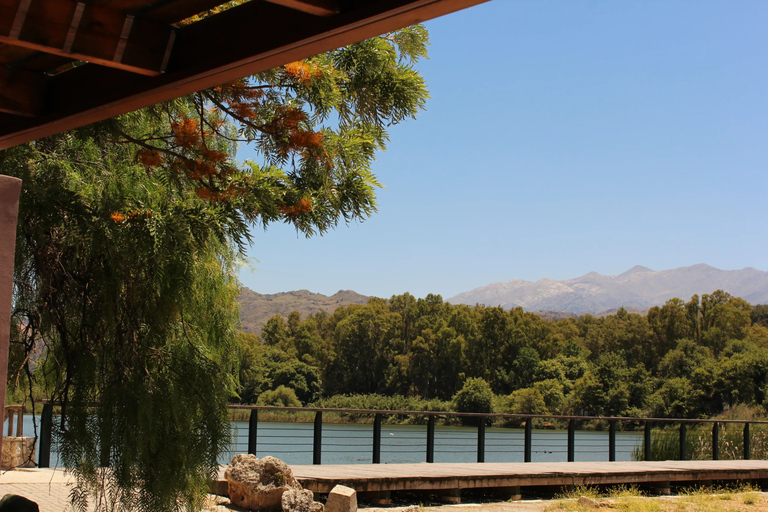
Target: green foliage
{"type": "Point", "coordinates": [524, 401]}
{"type": "Point", "coordinates": [137, 318]}
{"type": "Point", "coordinates": [621, 365]}
{"type": "Point", "coordinates": [474, 396]}
{"type": "Point", "coordinates": [279, 397]}
{"type": "Point", "coordinates": [265, 368]}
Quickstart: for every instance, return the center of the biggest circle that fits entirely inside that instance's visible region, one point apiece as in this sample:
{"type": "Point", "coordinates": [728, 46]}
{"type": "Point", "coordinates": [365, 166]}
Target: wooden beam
{"type": "Point", "coordinates": [85, 32]}
{"type": "Point", "coordinates": [316, 7]}
{"type": "Point", "coordinates": [21, 92]}
{"type": "Point", "coordinates": [214, 51]}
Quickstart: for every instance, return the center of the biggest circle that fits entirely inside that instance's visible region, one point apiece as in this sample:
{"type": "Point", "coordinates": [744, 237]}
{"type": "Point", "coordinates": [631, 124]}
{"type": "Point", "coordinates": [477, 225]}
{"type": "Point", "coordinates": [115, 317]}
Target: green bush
{"type": "Point", "coordinates": [475, 396]}
{"type": "Point", "coordinates": [280, 397]}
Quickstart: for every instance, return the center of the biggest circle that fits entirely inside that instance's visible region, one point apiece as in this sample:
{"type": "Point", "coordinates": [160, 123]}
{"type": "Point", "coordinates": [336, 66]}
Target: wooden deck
{"type": "Point", "coordinates": [441, 477]}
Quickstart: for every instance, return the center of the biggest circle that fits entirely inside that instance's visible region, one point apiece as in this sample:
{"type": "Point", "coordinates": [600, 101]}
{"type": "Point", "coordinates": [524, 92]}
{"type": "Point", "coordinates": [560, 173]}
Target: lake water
{"type": "Point", "coordinates": [353, 444]}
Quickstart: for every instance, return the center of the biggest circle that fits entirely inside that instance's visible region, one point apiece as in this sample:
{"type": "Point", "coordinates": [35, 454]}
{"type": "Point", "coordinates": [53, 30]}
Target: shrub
{"type": "Point", "coordinates": [475, 396]}
{"type": "Point", "coordinates": [280, 397]}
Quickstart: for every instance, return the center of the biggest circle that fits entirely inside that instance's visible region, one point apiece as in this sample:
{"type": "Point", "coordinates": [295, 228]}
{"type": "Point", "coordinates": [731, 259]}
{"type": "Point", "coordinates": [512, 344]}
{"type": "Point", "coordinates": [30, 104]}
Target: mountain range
{"type": "Point", "coordinates": [257, 308]}
{"type": "Point", "coordinates": [637, 288]}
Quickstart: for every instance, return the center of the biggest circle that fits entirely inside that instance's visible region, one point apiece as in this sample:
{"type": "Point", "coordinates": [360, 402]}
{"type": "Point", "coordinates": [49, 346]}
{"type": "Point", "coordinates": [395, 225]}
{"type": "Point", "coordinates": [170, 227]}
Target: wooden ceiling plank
{"type": "Point", "coordinates": [316, 7]}
{"type": "Point", "coordinates": [94, 34]}
{"type": "Point", "coordinates": [21, 92]}
{"type": "Point", "coordinates": [88, 94]}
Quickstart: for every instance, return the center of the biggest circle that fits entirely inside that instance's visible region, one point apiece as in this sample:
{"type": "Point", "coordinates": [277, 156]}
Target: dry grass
{"type": "Point", "coordinates": [741, 499]}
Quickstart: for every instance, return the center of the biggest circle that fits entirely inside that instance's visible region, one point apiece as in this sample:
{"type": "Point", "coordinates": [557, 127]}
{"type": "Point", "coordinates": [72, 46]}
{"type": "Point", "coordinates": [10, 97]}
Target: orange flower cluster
{"type": "Point", "coordinates": [214, 196]}
{"type": "Point", "coordinates": [301, 139]}
{"type": "Point", "coordinates": [303, 205]}
{"type": "Point", "coordinates": [198, 169]}
{"type": "Point", "coordinates": [212, 155]}
{"type": "Point", "coordinates": [240, 90]}
{"type": "Point", "coordinates": [303, 72]}
{"type": "Point", "coordinates": [244, 110]}
{"type": "Point", "coordinates": [139, 214]}
{"type": "Point", "coordinates": [185, 132]}
{"type": "Point", "coordinates": [117, 217]}
{"type": "Point", "coordinates": [150, 157]}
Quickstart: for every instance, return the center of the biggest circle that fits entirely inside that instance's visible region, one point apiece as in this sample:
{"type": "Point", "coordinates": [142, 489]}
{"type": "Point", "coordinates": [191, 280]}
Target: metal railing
{"type": "Point", "coordinates": [482, 419]}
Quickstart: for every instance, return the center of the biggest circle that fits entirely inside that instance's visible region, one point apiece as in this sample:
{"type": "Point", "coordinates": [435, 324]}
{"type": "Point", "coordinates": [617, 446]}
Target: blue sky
{"type": "Point", "coordinates": [562, 137]}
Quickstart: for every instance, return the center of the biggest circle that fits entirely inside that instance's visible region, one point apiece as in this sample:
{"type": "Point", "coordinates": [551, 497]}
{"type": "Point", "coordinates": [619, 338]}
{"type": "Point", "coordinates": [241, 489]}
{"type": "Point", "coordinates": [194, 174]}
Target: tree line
{"type": "Point", "coordinates": [683, 359]}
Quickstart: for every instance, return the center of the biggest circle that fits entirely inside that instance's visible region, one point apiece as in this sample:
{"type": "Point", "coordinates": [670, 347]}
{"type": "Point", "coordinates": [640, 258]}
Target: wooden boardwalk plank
{"type": "Point", "coordinates": [446, 476]}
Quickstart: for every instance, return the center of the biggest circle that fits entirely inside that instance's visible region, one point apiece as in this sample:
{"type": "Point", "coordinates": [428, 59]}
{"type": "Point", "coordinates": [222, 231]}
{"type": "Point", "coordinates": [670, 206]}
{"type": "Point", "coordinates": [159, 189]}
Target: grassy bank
{"type": "Point", "coordinates": [704, 499]}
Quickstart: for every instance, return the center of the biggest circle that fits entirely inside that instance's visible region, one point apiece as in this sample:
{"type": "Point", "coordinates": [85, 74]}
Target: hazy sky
{"type": "Point", "coordinates": [562, 137]}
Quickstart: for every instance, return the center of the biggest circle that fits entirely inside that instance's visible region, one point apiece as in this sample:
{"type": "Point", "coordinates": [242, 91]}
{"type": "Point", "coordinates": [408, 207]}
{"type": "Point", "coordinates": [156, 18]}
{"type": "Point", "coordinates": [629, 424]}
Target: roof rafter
{"type": "Point", "coordinates": [316, 7]}
{"type": "Point", "coordinates": [244, 40]}
{"type": "Point", "coordinates": [85, 32]}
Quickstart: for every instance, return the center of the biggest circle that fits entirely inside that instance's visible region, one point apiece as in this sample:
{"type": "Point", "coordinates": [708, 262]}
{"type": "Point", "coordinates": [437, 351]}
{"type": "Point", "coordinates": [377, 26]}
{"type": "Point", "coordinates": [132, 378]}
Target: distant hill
{"type": "Point", "coordinates": [638, 287]}
{"type": "Point", "coordinates": [257, 308]}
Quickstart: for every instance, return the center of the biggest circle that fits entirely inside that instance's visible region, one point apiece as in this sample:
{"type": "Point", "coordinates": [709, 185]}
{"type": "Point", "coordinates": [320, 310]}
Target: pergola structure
{"type": "Point", "coordinates": [65, 63]}
{"type": "Point", "coordinates": [68, 63]}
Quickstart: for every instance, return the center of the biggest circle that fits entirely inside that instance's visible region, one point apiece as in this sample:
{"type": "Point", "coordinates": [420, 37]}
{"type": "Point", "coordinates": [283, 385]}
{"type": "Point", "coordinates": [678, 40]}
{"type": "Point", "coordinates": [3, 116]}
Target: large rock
{"type": "Point", "coordinates": [258, 484]}
{"type": "Point", "coordinates": [341, 499]}
{"type": "Point", "coordinates": [300, 500]}
{"type": "Point", "coordinates": [18, 452]}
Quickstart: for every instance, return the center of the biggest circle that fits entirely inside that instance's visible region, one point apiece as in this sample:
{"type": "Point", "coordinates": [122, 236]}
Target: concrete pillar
{"type": "Point", "coordinates": [10, 188]}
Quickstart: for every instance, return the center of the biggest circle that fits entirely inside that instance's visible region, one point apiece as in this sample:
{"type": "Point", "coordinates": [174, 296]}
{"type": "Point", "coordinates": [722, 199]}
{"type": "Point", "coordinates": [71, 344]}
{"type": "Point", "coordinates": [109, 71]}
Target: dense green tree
{"type": "Point", "coordinates": [676, 398]}
{"type": "Point", "coordinates": [362, 346]}
{"type": "Point", "coordinates": [723, 318]}
{"type": "Point", "coordinates": [669, 324]}
{"type": "Point", "coordinates": [526, 401]}
{"type": "Point", "coordinates": [474, 396]}
{"type": "Point", "coordinates": [129, 232]}
{"type": "Point", "coordinates": [759, 315]}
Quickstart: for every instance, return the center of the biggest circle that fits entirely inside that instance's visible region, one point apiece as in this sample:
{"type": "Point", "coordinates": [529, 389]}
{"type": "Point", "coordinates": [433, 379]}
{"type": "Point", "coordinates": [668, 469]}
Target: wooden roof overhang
{"type": "Point", "coordinates": [66, 63]}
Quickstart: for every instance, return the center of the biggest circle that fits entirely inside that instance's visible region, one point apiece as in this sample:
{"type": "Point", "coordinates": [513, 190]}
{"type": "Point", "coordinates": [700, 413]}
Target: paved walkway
{"type": "Point", "coordinates": [49, 488]}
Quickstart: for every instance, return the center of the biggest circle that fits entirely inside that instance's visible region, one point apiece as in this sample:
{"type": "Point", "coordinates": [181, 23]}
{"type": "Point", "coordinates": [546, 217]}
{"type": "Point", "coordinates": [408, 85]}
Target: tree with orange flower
{"type": "Point", "coordinates": [129, 235]}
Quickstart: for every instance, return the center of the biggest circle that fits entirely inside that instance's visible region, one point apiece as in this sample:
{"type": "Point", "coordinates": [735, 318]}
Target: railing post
{"type": "Point", "coordinates": [377, 439]}
{"type": "Point", "coordinates": [571, 440]}
{"type": "Point", "coordinates": [431, 440]}
{"type": "Point", "coordinates": [318, 439]}
{"type": "Point", "coordinates": [46, 429]}
{"type": "Point", "coordinates": [647, 441]}
{"type": "Point", "coordinates": [528, 438]}
{"type": "Point", "coordinates": [481, 440]}
{"type": "Point", "coordinates": [746, 441]}
{"type": "Point", "coordinates": [716, 441]}
{"type": "Point", "coordinates": [683, 441]}
{"type": "Point", "coordinates": [612, 441]}
{"type": "Point", "coordinates": [253, 431]}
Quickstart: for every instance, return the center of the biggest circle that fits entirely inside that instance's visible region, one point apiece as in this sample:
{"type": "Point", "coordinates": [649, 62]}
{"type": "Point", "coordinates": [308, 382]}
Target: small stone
{"type": "Point", "coordinates": [300, 500]}
{"type": "Point", "coordinates": [258, 484]}
{"type": "Point", "coordinates": [341, 499]}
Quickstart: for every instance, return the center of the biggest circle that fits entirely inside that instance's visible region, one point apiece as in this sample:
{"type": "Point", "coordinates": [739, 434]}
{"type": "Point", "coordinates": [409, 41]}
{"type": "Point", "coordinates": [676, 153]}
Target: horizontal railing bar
{"type": "Point", "coordinates": [479, 415]}
{"type": "Point", "coordinates": [487, 415]}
